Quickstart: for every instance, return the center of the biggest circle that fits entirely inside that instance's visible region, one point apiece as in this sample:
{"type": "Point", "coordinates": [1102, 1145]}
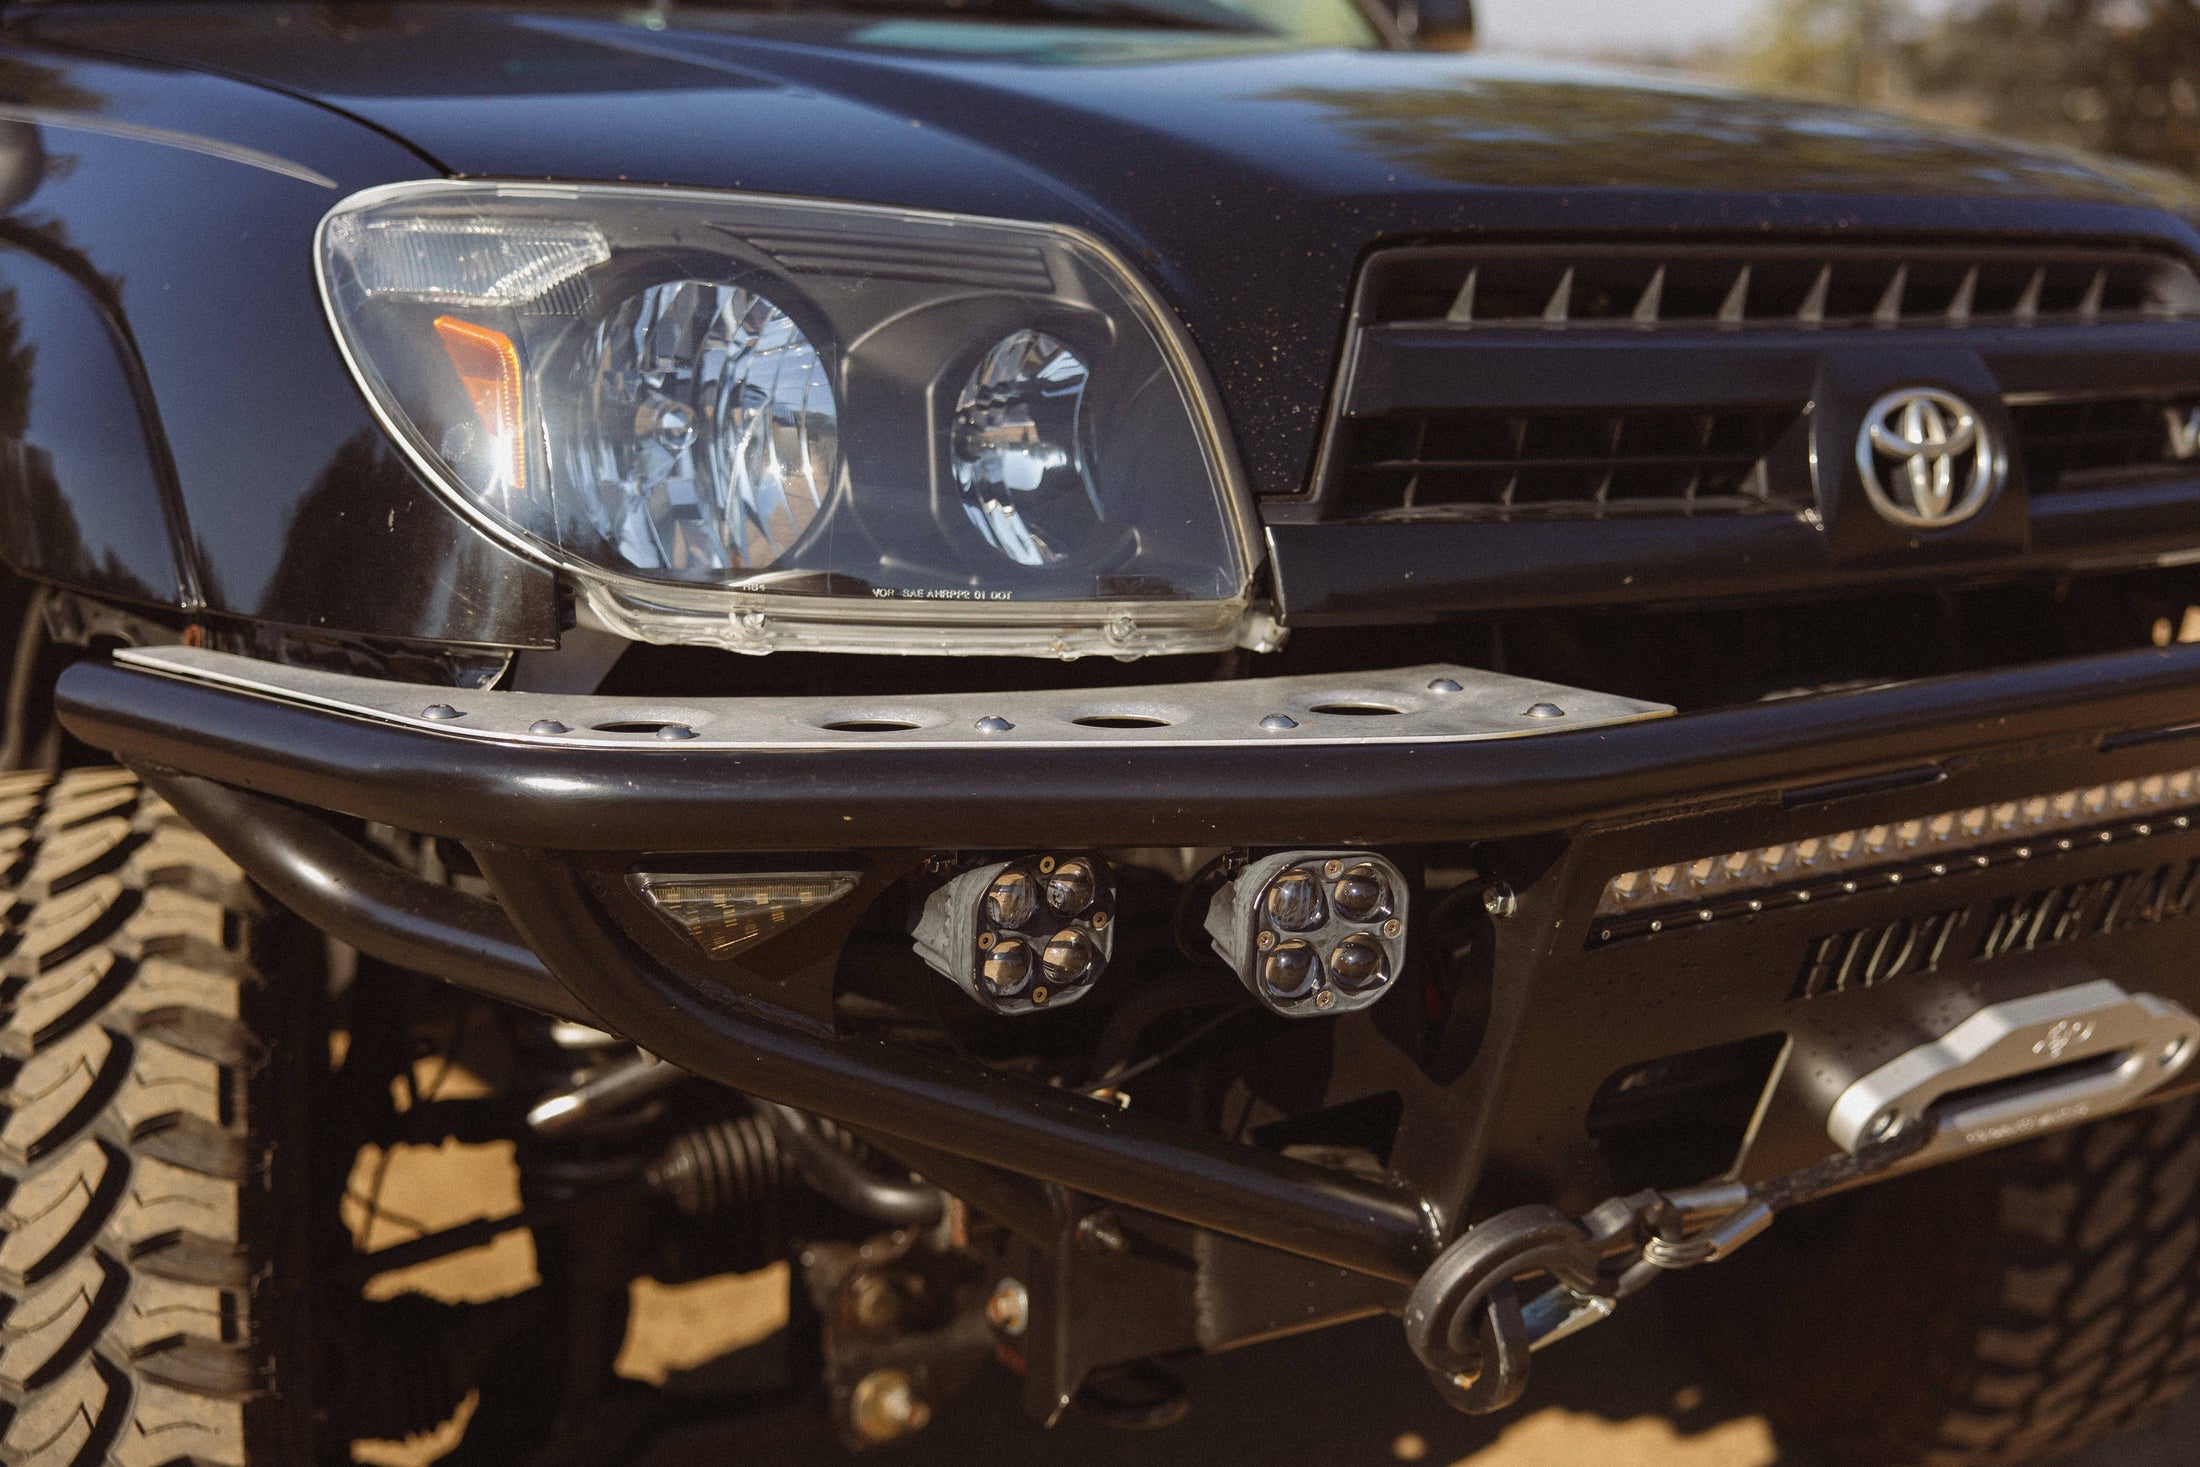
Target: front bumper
{"type": "Point", "coordinates": [784, 782]}
{"type": "Point", "coordinates": [1524, 1028]}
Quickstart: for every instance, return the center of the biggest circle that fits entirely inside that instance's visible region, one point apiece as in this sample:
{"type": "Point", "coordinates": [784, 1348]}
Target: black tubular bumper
{"type": "Point", "coordinates": [538, 810]}
{"type": "Point", "coordinates": [1127, 792]}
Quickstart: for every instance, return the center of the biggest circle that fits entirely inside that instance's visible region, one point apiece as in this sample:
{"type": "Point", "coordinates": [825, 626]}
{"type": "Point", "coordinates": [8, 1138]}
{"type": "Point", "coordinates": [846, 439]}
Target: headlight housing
{"type": "Point", "coordinates": [758, 422]}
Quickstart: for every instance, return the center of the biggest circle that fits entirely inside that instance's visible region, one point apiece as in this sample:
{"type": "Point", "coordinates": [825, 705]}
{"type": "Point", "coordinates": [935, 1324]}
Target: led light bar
{"type": "Point", "coordinates": [1939, 842]}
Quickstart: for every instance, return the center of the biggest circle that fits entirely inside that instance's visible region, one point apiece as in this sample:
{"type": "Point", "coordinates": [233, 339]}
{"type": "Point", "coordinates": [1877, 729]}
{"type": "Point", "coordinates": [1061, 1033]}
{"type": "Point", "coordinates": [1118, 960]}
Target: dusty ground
{"type": "Point", "coordinates": [1622, 1395]}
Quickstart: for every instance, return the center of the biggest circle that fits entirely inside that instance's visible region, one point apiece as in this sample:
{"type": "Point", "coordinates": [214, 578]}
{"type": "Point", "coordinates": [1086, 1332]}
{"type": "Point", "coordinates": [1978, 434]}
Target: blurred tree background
{"type": "Point", "coordinates": [2113, 76]}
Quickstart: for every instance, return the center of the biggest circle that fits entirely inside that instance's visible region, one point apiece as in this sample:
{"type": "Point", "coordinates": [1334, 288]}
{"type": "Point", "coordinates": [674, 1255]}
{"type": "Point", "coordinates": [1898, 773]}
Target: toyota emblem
{"type": "Point", "coordinates": [1927, 459]}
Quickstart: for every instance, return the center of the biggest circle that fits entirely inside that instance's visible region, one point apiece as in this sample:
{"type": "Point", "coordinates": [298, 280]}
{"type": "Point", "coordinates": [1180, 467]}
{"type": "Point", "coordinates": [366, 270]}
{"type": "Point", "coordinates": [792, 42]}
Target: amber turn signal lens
{"type": "Point", "coordinates": [488, 368]}
{"type": "Point", "coordinates": [723, 913]}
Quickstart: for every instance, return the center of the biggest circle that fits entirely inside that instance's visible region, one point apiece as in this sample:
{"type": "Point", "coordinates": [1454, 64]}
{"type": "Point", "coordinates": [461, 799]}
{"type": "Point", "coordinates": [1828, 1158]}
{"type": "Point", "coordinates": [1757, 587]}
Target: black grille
{"type": "Point", "coordinates": [1557, 465]}
{"type": "Point", "coordinates": [1647, 287]}
{"type": "Point", "coordinates": [2101, 442]}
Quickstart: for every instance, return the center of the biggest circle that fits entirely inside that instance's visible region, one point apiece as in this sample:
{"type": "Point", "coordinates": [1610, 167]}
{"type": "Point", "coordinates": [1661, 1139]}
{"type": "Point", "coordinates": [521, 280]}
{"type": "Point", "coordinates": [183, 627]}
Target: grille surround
{"type": "Point", "coordinates": [1362, 538]}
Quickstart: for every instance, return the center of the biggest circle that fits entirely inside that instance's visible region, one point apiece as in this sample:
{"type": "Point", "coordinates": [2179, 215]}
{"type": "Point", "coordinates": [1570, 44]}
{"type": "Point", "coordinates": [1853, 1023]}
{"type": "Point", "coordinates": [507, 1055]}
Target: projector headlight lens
{"type": "Point", "coordinates": [1017, 452]}
{"type": "Point", "coordinates": [711, 437]}
{"type": "Point", "coordinates": [754, 422]}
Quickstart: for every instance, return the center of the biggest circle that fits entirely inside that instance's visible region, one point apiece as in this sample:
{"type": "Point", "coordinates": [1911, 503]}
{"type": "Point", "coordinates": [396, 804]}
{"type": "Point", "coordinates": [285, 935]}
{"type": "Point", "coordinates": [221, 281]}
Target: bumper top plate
{"type": "Point", "coordinates": [1434, 704]}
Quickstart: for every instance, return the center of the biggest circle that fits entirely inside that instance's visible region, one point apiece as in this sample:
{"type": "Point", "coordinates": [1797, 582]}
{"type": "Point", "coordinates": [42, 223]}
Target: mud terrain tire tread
{"type": "Point", "coordinates": [2004, 1310]}
{"type": "Point", "coordinates": [135, 1199]}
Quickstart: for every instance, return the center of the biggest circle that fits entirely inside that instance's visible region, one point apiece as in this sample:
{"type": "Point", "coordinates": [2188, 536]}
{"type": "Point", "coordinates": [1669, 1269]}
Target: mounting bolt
{"type": "Point", "coordinates": [1325, 999]}
{"type": "Point", "coordinates": [1278, 723]}
{"type": "Point", "coordinates": [1498, 900]}
{"type": "Point", "coordinates": [1009, 1308]}
{"type": "Point", "coordinates": [873, 1304]}
{"type": "Point", "coordinates": [885, 1406]}
{"type": "Point", "coordinates": [994, 723]}
{"type": "Point", "coordinates": [1883, 1125]}
{"type": "Point", "coordinates": [1546, 710]}
{"type": "Point", "coordinates": [547, 726]}
{"type": "Point", "coordinates": [1100, 1230]}
{"type": "Point", "coordinates": [673, 733]}
{"type": "Point", "coordinates": [441, 712]}
{"type": "Point", "coordinates": [1445, 685]}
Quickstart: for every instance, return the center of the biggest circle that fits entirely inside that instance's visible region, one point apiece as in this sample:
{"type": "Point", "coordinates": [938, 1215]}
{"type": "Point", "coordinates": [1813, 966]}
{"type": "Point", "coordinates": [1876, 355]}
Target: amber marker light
{"type": "Point", "coordinates": [488, 367]}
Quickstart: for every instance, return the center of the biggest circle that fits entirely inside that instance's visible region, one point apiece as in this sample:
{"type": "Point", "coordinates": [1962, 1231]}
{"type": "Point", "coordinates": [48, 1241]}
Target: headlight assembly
{"type": "Point", "coordinates": [759, 423]}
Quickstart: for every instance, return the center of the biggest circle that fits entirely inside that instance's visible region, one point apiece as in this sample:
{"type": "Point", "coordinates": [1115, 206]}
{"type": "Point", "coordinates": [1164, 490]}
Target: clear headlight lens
{"type": "Point", "coordinates": [709, 437]}
{"type": "Point", "coordinates": [758, 423]}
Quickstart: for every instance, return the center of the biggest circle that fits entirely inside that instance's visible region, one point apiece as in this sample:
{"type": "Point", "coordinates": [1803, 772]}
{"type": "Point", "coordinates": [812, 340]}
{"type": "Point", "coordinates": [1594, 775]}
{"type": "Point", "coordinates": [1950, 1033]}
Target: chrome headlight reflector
{"type": "Point", "coordinates": [758, 423]}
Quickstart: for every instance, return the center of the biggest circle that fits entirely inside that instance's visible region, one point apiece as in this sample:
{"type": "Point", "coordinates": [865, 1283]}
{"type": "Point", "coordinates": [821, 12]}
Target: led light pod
{"type": "Point", "coordinates": [1313, 933]}
{"type": "Point", "coordinates": [1023, 935]}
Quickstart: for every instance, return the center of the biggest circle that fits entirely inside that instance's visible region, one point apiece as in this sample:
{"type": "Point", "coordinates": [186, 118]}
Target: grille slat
{"type": "Point", "coordinates": [2103, 442]}
{"type": "Point", "coordinates": [1649, 287]}
{"type": "Point", "coordinates": [1466, 464]}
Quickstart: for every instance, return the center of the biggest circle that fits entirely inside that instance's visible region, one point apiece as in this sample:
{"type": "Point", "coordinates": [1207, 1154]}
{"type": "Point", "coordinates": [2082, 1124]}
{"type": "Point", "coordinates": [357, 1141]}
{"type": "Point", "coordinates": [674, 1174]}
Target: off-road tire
{"type": "Point", "coordinates": [148, 1193]}
{"type": "Point", "coordinates": [2002, 1310]}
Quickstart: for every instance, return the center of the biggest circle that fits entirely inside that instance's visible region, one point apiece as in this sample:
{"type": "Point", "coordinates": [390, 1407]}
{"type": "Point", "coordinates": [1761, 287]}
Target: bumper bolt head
{"type": "Point", "coordinates": [673, 733]}
{"type": "Point", "coordinates": [1278, 723]}
{"type": "Point", "coordinates": [994, 723]}
{"type": "Point", "coordinates": [885, 1406]}
{"type": "Point", "coordinates": [873, 1303]}
{"type": "Point", "coordinates": [547, 726]}
{"type": "Point", "coordinates": [1100, 1232]}
{"type": "Point", "coordinates": [1445, 685]}
{"type": "Point", "coordinates": [1498, 900]}
{"type": "Point", "coordinates": [1546, 710]}
{"type": "Point", "coordinates": [441, 712]}
{"type": "Point", "coordinates": [1009, 1308]}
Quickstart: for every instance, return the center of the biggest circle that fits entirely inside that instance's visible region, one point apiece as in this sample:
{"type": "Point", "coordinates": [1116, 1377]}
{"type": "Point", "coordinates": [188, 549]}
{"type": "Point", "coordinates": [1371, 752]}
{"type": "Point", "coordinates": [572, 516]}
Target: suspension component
{"type": "Point", "coordinates": [617, 1087]}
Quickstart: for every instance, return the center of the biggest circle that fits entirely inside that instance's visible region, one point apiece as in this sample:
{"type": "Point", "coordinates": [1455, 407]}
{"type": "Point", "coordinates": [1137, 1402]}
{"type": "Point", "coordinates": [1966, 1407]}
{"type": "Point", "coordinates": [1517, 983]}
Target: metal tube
{"type": "Point", "coordinates": [899, 1092]}
{"type": "Point", "coordinates": [903, 1092]}
{"type": "Point", "coordinates": [897, 1202]}
{"type": "Point", "coordinates": [625, 1084]}
{"type": "Point", "coordinates": [659, 799]}
{"type": "Point", "coordinates": [358, 898]}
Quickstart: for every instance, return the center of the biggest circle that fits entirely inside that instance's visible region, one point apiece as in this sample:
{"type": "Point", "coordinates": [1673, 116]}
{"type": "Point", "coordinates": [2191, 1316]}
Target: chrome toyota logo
{"type": "Point", "coordinates": [1927, 459]}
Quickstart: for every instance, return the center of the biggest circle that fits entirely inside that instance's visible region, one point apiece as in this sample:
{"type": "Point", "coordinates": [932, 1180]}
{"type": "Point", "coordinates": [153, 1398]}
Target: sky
{"type": "Point", "coordinates": [1617, 27]}
{"type": "Point", "coordinates": [1609, 25]}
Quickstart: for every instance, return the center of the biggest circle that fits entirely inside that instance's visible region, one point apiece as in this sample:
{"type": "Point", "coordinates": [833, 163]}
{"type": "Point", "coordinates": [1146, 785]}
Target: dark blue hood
{"type": "Point", "coordinates": [1247, 177]}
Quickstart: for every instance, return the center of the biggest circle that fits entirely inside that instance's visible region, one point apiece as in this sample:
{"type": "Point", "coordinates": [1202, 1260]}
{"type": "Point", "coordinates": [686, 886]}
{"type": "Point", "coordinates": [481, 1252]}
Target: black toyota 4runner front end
{"type": "Point", "coordinates": [1133, 679]}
